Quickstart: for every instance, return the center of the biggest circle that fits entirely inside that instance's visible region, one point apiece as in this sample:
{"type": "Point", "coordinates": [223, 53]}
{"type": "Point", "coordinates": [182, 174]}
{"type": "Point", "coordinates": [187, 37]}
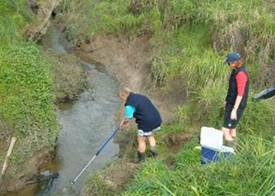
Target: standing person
{"type": "Point", "coordinates": [146, 116]}
{"type": "Point", "coordinates": [237, 95]}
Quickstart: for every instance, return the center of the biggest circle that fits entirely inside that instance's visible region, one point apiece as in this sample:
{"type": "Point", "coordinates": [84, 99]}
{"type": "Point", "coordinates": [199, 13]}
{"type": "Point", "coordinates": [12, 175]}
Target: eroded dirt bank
{"type": "Point", "coordinates": [130, 62]}
{"type": "Point", "coordinates": [26, 173]}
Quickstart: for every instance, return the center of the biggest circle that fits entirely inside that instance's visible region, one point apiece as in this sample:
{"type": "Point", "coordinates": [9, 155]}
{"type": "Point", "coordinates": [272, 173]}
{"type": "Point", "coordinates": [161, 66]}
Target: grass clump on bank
{"type": "Point", "coordinates": [69, 77]}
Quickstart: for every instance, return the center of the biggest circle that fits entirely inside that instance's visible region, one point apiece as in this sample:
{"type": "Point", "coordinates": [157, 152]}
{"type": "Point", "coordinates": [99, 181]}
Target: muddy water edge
{"type": "Point", "coordinates": [85, 123]}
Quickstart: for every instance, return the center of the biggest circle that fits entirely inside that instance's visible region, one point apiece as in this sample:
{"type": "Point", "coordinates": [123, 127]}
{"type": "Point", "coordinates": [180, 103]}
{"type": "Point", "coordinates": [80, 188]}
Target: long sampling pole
{"type": "Point", "coordinates": [96, 154]}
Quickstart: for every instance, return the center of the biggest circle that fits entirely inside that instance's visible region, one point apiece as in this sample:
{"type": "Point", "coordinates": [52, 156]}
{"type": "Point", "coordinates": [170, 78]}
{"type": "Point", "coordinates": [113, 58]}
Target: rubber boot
{"type": "Point", "coordinates": [141, 157]}
{"type": "Point", "coordinates": [153, 153]}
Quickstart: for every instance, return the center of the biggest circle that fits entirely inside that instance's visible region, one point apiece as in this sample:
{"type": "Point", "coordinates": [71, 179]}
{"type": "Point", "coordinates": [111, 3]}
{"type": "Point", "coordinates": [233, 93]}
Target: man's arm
{"type": "Point", "coordinates": [241, 86]}
{"type": "Point", "coordinates": [128, 115]}
{"type": "Point", "coordinates": [238, 102]}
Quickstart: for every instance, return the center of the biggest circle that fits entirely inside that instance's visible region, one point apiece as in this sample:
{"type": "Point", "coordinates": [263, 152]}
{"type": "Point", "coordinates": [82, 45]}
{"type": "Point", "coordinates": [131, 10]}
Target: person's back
{"type": "Point", "coordinates": [147, 118]}
{"type": "Point", "coordinates": [146, 115]}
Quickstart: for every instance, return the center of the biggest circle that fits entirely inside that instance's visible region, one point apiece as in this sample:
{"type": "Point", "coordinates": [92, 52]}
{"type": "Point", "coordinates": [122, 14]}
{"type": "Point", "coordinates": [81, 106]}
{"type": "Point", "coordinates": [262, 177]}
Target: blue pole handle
{"type": "Point", "coordinates": [106, 141]}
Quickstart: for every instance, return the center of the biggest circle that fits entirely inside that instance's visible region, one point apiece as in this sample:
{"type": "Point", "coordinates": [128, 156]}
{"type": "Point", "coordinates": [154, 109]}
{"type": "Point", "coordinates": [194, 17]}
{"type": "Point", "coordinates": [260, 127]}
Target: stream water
{"type": "Point", "coordinates": [84, 125]}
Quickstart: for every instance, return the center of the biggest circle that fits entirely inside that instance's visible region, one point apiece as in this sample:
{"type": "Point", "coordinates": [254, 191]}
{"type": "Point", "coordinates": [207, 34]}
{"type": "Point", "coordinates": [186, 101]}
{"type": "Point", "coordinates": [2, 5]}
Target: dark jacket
{"type": "Point", "coordinates": [146, 114]}
{"type": "Point", "coordinates": [232, 92]}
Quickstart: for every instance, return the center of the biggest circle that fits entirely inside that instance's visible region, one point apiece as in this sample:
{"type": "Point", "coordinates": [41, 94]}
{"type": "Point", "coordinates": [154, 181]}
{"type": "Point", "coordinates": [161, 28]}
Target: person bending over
{"type": "Point", "coordinates": [147, 118]}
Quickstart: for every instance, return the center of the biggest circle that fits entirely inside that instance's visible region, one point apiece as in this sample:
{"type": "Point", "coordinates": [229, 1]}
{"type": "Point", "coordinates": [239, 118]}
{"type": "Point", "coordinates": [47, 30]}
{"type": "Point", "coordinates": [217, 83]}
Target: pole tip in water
{"type": "Point", "coordinates": [72, 182]}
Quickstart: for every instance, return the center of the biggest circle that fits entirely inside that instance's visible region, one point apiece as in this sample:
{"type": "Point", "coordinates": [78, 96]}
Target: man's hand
{"type": "Point", "coordinates": [234, 114]}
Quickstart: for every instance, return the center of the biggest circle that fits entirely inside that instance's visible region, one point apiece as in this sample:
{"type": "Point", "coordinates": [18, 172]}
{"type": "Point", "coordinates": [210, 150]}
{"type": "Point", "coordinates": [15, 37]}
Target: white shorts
{"type": "Point", "coordinates": [146, 134]}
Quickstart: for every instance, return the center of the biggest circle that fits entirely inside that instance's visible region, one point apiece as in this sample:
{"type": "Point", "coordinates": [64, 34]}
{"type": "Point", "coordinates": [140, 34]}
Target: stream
{"type": "Point", "coordinates": [84, 125]}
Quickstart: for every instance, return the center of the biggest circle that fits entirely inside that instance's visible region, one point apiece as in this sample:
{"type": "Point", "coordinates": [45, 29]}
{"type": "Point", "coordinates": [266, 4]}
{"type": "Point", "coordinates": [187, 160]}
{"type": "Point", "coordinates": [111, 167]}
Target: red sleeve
{"type": "Point", "coordinates": [241, 82]}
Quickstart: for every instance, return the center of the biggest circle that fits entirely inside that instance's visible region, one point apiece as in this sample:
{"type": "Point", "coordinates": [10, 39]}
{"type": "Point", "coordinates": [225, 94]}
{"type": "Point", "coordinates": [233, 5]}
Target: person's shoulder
{"type": "Point", "coordinates": [242, 74]}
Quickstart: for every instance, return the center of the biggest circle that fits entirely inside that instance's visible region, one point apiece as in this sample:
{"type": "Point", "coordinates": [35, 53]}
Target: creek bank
{"type": "Point", "coordinates": [70, 80]}
{"type": "Point", "coordinates": [115, 177]}
{"type": "Point", "coordinates": [18, 174]}
{"type": "Point", "coordinates": [31, 168]}
{"type": "Point", "coordinates": [82, 126]}
{"type": "Point", "coordinates": [130, 62]}
{"type": "Point", "coordinates": [42, 11]}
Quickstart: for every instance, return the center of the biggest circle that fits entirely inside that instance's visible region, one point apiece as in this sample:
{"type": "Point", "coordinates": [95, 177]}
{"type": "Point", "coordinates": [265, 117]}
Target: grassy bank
{"type": "Point", "coordinates": [189, 40]}
{"type": "Point", "coordinates": [26, 88]}
{"type": "Point", "coordinates": [248, 173]}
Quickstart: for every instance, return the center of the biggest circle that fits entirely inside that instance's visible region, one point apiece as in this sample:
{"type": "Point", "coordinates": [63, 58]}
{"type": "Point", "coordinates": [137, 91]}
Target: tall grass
{"type": "Point", "coordinates": [232, 25]}
{"type": "Point", "coordinates": [250, 172]}
{"type": "Point", "coordinates": [187, 53]}
{"type": "Point", "coordinates": [105, 17]}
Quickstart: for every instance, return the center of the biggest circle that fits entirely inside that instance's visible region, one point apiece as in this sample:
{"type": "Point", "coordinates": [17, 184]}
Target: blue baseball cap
{"type": "Point", "coordinates": [231, 57]}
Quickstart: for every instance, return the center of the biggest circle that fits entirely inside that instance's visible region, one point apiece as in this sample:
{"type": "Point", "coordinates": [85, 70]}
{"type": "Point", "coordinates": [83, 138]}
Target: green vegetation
{"type": "Point", "coordinates": [189, 41]}
{"type": "Point", "coordinates": [14, 16]}
{"type": "Point", "coordinates": [250, 172]}
{"type": "Point", "coordinates": [26, 88]}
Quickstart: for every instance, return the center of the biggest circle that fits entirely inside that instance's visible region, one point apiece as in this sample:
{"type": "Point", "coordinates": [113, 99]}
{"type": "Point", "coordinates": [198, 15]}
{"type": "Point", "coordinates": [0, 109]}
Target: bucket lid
{"type": "Point", "coordinates": [211, 138]}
